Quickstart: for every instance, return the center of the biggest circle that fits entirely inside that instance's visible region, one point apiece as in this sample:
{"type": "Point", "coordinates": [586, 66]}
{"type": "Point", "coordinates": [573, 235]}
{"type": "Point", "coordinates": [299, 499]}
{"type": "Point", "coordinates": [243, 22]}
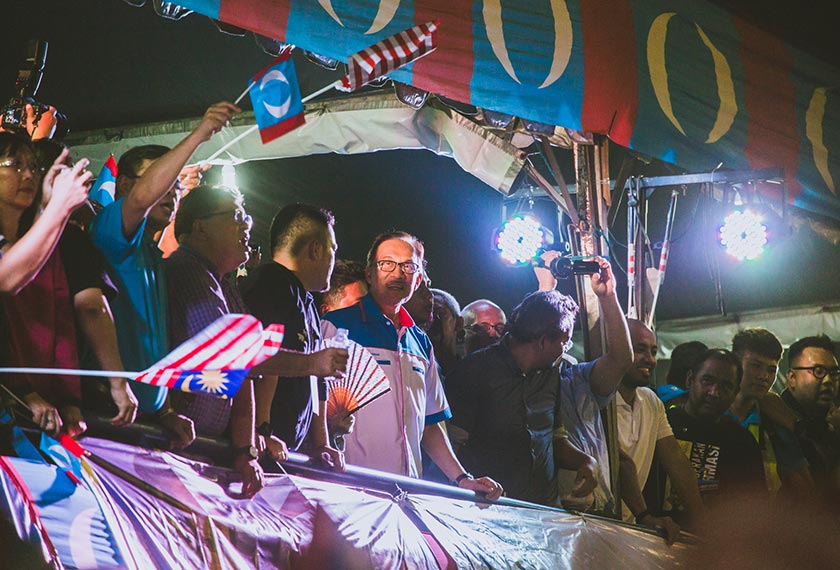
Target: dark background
{"type": "Point", "coordinates": [111, 64]}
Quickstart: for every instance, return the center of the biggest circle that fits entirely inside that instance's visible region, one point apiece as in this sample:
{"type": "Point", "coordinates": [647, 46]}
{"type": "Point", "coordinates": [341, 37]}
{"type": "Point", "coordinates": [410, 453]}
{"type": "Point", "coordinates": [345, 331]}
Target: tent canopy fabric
{"type": "Point", "coordinates": [369, 123]}
{"type": "Point", "coordinates": [685, 82]}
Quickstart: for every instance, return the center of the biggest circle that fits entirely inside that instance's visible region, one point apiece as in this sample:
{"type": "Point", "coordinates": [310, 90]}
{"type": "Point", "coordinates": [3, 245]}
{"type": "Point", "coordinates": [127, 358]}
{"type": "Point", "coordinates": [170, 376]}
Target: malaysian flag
{"type": "Point", "coordinates": [216, 360]}
{"type": "Point", "coordinates": [389, 55]}
{"type": "Point", "coordinates": [272, 338]}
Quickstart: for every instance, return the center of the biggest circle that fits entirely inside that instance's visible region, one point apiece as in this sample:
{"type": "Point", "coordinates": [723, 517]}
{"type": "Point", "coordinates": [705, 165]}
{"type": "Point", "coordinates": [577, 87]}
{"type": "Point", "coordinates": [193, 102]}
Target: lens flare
{"type": "Point", "coordinates": [520, 239]}
{"type": "Point", "coordinates": [743, 234]}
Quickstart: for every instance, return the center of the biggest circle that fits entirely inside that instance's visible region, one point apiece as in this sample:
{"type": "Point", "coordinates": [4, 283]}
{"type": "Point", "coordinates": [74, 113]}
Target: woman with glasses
{"type": "Point", "coordinates": [39, 315]}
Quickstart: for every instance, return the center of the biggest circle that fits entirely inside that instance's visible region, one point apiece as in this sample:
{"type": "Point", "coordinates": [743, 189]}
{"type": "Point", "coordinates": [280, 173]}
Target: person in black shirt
{"type": "Point", "coordinates": [303, 248]}
{"type": "Point", "coordinates": [725, 457]}
{"type": "Point", "coordinates": [506, 398]}
{"type": "Point", "coordinates": [812, 379]}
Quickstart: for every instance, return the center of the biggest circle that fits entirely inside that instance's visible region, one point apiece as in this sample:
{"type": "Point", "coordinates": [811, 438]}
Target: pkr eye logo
{"type": "Point", "coordinates": [492, 12]}
{"type": "Point", "coordinates": [387, 9]}
{"type": "Point", "coordinates": [282, 109]}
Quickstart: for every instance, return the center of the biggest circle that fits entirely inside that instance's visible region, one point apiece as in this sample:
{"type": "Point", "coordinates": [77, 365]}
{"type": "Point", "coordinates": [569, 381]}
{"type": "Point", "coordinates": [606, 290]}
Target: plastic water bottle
{"type": "Point", "coordinates": [340, 340]}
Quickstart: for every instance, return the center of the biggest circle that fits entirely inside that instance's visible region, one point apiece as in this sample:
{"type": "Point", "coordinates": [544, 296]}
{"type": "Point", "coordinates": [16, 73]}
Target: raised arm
{"type": "Point", "coordinates": [618, 357]}
{"type": "Point", "coordinates": [158, 179]}
{"type": "Point", "coordinates": [68, 189]}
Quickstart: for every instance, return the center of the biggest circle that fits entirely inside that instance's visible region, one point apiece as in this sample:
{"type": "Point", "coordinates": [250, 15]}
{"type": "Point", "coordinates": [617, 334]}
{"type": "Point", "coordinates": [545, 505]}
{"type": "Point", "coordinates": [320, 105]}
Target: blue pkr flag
{"type": "Point", "coordinates": [104, 188]}
{"type": "Point", "coordinates": [275, 96]}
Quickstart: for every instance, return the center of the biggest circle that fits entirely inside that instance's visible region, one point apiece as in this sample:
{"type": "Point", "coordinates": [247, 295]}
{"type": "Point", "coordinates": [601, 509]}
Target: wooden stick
{"type": "Point", "coordinates": [72, 372]}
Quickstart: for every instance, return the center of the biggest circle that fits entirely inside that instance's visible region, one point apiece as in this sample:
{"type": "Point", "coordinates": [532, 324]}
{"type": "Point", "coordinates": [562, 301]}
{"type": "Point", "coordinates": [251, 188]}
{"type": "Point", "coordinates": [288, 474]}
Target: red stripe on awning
{"type": "Point", "coordinates": [770, 98]}
{"type": "Point", "coordinates": [447, 71]}
{"type": "Point", "coordinates": [269, 19]}
{"type": "Point", "coordinates": [31, 507]}
{"type": "Point", "coordinates": [611, 88]}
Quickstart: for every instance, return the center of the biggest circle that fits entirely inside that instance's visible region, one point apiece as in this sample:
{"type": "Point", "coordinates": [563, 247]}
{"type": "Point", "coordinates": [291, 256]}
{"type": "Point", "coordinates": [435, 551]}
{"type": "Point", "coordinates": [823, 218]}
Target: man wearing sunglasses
{"type": "Point", "coordinates": [812, 380]}
{"type": "Point", "coordinates": [484, 324]}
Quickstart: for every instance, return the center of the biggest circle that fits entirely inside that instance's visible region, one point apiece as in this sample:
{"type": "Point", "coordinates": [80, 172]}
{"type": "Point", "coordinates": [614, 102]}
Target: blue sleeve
{"type": "Point", "coordinates": [581, 374]}
{"type": "Point", "coordinates": [107, 234]}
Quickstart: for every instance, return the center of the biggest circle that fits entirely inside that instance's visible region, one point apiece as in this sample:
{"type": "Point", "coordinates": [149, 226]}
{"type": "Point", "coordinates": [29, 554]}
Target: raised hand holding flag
{"type": "Point", "coordinates": [366, 65]}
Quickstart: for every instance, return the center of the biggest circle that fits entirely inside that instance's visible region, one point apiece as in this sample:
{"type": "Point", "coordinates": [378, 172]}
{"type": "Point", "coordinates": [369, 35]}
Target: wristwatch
{"type": "Point", "coordinates": [264, 429]}
{"type": "Point", "coordinates": [248, 450]}
{"type": "Point", "coordinates": [462, 476]}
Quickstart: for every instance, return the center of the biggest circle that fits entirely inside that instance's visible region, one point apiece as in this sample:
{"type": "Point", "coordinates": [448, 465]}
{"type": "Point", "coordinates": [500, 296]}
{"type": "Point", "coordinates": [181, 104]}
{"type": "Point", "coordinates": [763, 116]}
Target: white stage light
{"type": "Point", "coordinates": [521, 238]}
{"type": "Point", "coordinates": [743, 234]}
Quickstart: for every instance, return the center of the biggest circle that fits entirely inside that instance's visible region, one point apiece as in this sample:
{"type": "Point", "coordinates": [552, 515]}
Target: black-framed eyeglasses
{"type": "Point", "coordinates": [487, 328]}
{"type": "Point", "coordinates": [820, 372]}
{"type": "Point", "coordinates": [19, 167]}
{"type": "Point", "coordinates": [407, 267]}
{"type": "Point", "coordinates": [239, 216]}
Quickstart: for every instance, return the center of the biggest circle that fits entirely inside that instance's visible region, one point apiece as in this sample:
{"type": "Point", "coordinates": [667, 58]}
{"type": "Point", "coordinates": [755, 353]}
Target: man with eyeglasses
{"type": "Point", "coordinates": [812, 379]}
{"type": "Point", "coordinates": [484, 324]}
{"type": "Point", "coordinates": [125, 231]}
{"type": "Point", "coordinates": [390, 431]}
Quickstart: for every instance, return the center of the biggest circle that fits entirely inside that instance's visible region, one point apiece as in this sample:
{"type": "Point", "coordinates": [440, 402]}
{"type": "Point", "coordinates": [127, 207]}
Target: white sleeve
{"type": "Point", "coordinates": [663, 428]}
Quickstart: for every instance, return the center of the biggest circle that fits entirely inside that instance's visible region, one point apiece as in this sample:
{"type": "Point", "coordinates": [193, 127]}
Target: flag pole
{"type": "Point", "coordinates": [663, 256]}
{"type": "Point", "coordinates": [244, 134]}
{"type": "Point", "coordinates": [242, 96]}
{"type": "Point", "coordinates": [72, 372]}
{"type": "Point", "coordinates": [321, 91]}
{"type": "Point", "coordinates": [229, 144]}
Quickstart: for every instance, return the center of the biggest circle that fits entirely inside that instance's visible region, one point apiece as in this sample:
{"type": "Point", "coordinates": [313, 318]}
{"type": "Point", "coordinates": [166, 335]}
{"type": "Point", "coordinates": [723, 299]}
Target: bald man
{"type": "Point", "coordinates": [644, 431]}
{"type": "Point", "coordinates": [484, 324]}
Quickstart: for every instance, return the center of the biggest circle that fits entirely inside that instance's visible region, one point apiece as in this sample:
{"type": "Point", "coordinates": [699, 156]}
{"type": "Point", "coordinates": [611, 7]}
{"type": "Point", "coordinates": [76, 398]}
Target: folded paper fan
{"type": "Point", "coordinates": [363, 382]}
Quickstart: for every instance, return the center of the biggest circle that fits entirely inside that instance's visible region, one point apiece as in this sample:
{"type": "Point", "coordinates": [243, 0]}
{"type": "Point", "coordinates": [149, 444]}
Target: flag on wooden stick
{"type": "Point", "coordinates": [389, 55]}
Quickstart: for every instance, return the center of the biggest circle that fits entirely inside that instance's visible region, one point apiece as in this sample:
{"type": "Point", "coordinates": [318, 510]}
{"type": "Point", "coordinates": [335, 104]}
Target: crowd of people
{"type": "Point", "coordinates": [471, 390]}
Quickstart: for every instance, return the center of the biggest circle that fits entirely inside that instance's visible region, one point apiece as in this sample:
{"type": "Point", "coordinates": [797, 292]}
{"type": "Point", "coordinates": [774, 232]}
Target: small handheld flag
{"type": "Point", "coordinates": [105, 186]}
{"type": "Point", "coordinates": [275, 119]}
{"type": "Point", "coordinates": [389, 55]}
{"type": "Point", "coordinates": [215, 361]}
{"type": "Point", "coordinates": [275, 96]}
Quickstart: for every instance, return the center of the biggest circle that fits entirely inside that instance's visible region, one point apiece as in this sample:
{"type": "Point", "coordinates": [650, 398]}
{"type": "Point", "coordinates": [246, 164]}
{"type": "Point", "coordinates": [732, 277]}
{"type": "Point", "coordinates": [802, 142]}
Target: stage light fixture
{"type": "Point", "coordinates": [521, 238]}
{"type": "Point", "coordinates": [743, 235]}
